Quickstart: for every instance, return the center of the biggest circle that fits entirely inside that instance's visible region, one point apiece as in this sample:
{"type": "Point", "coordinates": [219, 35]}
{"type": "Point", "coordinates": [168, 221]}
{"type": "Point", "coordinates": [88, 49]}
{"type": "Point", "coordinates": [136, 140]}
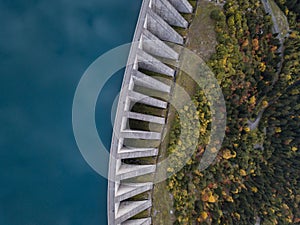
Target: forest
{"type": "Point", "coordinates": [255, 177]}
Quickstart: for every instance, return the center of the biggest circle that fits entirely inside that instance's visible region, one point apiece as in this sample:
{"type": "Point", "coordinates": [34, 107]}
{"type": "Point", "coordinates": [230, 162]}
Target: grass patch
{"type": "Point", "coordinates": [201, 39]}
{"type": "Point", "coordinates": [140, 161]}
{"type": "Point", "coordinates": [142, 215]}
{"type": "Point", "coordinates": [145, 109]}
{"type": "Point", "coordinates": [144, 126]}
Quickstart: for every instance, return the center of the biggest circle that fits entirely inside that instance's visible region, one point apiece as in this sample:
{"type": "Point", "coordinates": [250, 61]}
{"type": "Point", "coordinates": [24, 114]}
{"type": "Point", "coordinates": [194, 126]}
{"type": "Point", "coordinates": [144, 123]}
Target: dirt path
{"type": "Point", "coordinates": [277, 28]}
{"type": "Point", "coordinates": [281, 29]}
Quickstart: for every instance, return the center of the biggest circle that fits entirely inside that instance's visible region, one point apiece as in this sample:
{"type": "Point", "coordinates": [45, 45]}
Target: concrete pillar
{"type": "Point", "coordinates": [145, 221]}
{"type": "Point", "coordinates": [144, 99]}
{"type": "Point", "coordinates": [139, 134]}
{"type": "Point", "coordinates": [148, 62]}
{"type": "Point", "coordinates": [167, 11]}
{"type": "Point", "coordinates": [128, 190]}
{"type": "Point", "coordinates": [145, 117]}
{"type": "Point", "coordinates": [160, 28]}
{"type": "Point", "coordinates": [130, 209]}
{"type": "Point", "coordinates": [182, 6]}
{"type": "Point", "coordinates": [154, 46]}
{"type": "Point", "coordinates": [127, 171]}
{"type": "Point", "coordinates": [129, 153]}
{"type": "Point", "coordinates": [149, 82]}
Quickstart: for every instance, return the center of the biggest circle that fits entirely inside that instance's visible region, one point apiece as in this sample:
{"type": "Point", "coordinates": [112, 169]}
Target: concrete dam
{"type": "Point", "coordinates": [156, 25]}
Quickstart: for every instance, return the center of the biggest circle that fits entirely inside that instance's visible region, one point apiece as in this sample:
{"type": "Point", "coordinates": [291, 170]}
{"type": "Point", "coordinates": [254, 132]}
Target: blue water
{"type": "Point", "coordinates": [45, 46]}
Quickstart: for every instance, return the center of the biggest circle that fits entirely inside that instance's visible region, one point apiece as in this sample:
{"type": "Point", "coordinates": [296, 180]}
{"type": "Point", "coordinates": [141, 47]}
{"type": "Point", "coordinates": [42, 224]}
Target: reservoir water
{"type": "Point", "coordinates": [45, 47]}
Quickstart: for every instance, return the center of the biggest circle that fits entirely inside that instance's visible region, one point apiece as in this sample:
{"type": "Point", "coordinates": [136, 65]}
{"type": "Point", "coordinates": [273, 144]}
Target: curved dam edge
{"type": "Point", "coordinates": [155, 25]}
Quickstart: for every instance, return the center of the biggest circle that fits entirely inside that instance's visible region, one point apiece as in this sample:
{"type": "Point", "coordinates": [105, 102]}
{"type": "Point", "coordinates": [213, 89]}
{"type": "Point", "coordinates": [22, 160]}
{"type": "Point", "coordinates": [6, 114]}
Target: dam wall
{"type": "Point", "coordinates": [156, 25]}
